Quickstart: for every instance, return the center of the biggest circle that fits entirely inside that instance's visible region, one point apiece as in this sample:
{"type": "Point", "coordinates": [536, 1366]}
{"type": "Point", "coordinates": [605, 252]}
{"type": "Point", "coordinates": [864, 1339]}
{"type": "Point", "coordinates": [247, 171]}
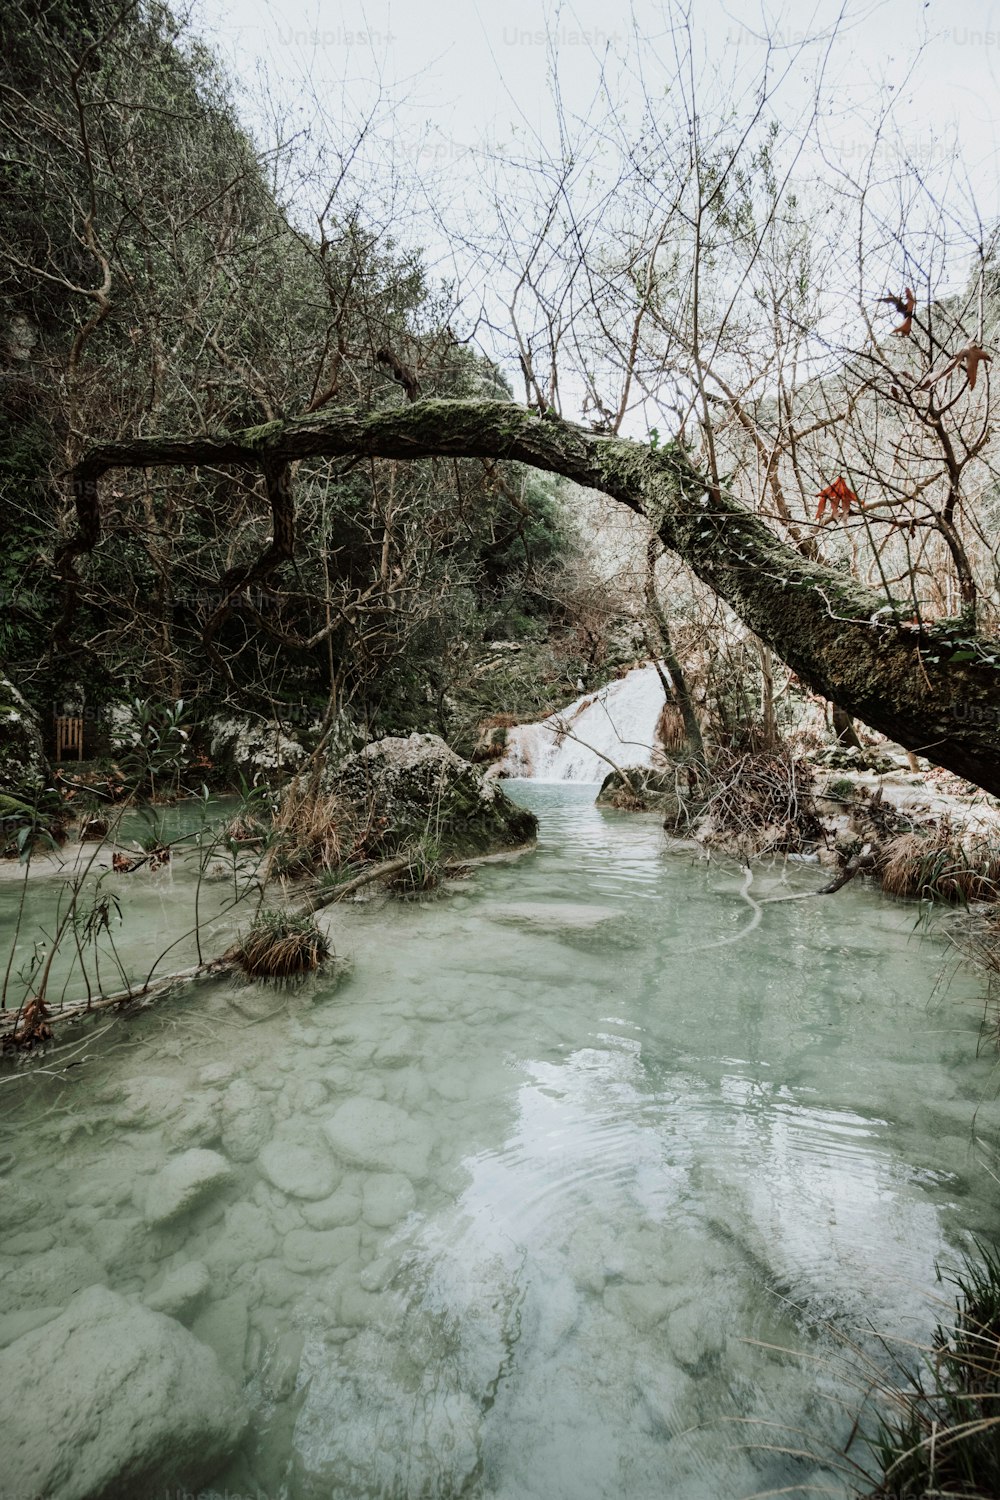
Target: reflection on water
{"type": "Point", "coordinates": [532, 1204]}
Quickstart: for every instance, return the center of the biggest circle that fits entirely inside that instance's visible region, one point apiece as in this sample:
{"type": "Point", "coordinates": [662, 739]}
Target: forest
{"type": "Point", "coordinates": [366, 516]}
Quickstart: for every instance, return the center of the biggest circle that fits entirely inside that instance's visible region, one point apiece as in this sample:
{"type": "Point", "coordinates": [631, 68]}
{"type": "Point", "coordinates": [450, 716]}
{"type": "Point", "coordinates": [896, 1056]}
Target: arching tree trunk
{"type": "Point", "coordinates": [935, 690]}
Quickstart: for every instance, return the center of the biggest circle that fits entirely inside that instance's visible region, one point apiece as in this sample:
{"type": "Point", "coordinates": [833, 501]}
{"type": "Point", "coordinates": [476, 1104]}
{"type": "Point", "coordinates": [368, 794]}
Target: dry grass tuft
{"type": "Point", "coordinates": [941, 866]}
{"type": "Point", "coordinates": [422, 875]}
{"type": "Point", "coordinates": [670, 728]}
{"type": "Point", "coordinates": [309, 834]}
{"type": "Point", "coordinates": [281, 947]}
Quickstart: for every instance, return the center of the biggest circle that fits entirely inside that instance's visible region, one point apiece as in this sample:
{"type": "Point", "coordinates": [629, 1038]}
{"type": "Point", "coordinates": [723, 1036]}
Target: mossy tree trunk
{"type": "Point", "coordinates": [934, 689]}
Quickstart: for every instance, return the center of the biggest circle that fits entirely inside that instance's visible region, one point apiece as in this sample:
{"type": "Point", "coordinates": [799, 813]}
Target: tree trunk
{"type": "Point", "coordinates": [843, 728]}
{"type": "Point", "coordinates": [681, 691]}
{"type": "Point", "coordinates": [935, 690]}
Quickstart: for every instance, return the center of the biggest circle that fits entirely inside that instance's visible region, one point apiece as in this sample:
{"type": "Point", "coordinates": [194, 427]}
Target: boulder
{"type": "Point", "coordinates": [110, 1400]}
{"type": "Point", "coordinates": [640, 789]}
{"type": "Point", "coordinates": [418, 788]}
{"type": "Point", "coordinates": [24, 771]}
{"type": "Point", "coordinates": [254, 747]}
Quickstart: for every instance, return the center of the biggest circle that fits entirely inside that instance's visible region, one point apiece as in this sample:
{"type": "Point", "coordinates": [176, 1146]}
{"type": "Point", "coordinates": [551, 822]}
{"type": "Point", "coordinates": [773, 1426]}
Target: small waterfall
{"type": "Point", "coordinates": [618, 722]}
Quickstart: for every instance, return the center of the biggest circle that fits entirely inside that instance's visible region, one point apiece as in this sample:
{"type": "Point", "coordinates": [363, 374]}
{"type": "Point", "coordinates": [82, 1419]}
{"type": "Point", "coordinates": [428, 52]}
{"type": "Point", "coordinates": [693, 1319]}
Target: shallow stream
{"type": "Point", "coordinates": [536, 1200]}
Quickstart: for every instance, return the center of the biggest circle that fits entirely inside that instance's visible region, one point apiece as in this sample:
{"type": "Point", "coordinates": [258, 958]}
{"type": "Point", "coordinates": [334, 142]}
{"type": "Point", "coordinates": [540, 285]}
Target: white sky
{"type": "Point", "coordinates": [458, 75]}
{"type": "Point", "coordinates": [472, 69]}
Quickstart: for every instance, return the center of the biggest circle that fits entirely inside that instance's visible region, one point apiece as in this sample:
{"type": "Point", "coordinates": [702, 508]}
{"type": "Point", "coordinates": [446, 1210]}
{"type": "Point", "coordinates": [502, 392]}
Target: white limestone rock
{"type": "Point", "coordinates": [49, 1279]}
{"type": "Point", "coordinates": [184, 1183]}
{"type": "Point", "coordinates": [302, 1171]}
{"type": "Point", "coordinates": [311, 1250]}
{"type": "Point", "coordinates": [197, 1124]}
{"type": "Point", "coordinates": [246, 1237]}
{"type": "Point", "coordinates": [180, 1291]}
{"type": "Point", "coordinates": [247, 1123]}
{"type": "Point", "coordinates": [252, 746]}
{"type": "Point", "coordinates": [126, 1403]}
{"type": "Point", "coordinates": [148, 1102]}
{"type": "Point", "coordinates": [341, 1208]}
{"type": "Point", "coordinates": [13, 1325]}
{"type": "Point", "coordinates": [119, 1242]}
{"type": "Point", "coordinates": [388, 1197]}
{"type": "Point", "coordinates": [370, 1133]}
{"type": "Point", "coordinates": [18, 1204]}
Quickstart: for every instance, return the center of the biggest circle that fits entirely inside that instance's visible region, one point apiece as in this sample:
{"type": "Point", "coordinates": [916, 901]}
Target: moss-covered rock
{"type": "Point", "coordinates": [253, 748]}
{"type": "Point", "coordinates": [641, 789]}
{"type": "Point", "coordinates": [851, 758]}
{"type": "Point", "coordinates": [417, 790]}
{"type": "Point", "coordinates": [23, 767]}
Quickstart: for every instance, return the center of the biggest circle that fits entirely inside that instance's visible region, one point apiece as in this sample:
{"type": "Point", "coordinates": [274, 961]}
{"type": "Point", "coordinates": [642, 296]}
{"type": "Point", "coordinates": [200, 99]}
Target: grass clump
{"type": "Point", "coordinates": [281, 947]}
{"type": "Point", "coordinates": [308, 833]}
{"type": "Point", "coordinates": [940, 1434]}
{"type": "Point", "coordinates": [422, 875]}
{"type": "Point", "coordinates": [941, 866]}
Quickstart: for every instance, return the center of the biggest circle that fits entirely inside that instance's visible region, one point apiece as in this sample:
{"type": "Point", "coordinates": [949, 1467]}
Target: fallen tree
{"type": "Point", "coordinates": [934, 688]}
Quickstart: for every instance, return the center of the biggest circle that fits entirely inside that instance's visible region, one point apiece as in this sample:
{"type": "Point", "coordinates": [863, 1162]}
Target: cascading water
{"type": "Point", "coordinates": [615, 726]}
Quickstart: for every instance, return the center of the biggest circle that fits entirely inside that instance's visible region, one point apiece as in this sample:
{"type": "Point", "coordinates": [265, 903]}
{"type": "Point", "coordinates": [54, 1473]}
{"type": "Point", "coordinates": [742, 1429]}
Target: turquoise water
{"type": "Point", "coordinates": [542, 1197]}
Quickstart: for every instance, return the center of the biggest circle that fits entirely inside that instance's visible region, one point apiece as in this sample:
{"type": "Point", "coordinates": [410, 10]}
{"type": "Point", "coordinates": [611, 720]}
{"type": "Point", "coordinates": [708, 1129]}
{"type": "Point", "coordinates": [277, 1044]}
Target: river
{"type": "Point", "coordinates": [581, 1183]}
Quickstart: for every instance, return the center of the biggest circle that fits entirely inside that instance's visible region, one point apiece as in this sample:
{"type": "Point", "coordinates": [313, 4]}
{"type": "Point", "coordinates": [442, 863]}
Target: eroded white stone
{"type": "Point", "coordinates": [185, 1182]}
{"type": "Point", "coordinates": [370, 1133]}
{"type": "Point", "coordinates": [342, 1207]}
{"type": "Point", "coordinates": [303, 1171]}
{"type": "Point", "coordinates": [180, 1290]}
{"type": "Point", "coordinates": [388, 1197]}
{"type": "Point", "coordinates": [246, 1121]}
{"type": "Point", "coordinates": [130, 1404]}
{"type": "Point", "coordinates": [51, 1278]}
{"type": "Point", "coordinates": [310, 1250]}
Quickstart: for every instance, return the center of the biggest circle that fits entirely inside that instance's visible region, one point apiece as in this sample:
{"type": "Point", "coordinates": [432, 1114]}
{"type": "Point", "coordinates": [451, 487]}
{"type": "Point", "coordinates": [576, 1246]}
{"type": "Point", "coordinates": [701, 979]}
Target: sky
{"type": "Point", "coordinates": [446, 84]}
{"type": "Point", "coordinates": [467, 70]}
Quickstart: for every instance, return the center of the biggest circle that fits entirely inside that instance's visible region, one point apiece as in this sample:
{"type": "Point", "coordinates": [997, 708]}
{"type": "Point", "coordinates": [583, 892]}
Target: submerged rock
{"type": "Point", "coordinates": [246, 1121]}
{"type": "Point", "coordinates": [552, 915]}
{"type": "Point", "coordinates": [420, 789]}
{"type": "Point", "coordinates": [110, 1399]}
{"type": "Point", "coordinates": [302, 1171]}
{"type": "Point", "coordinates": [369, 1133]}
{"type": "Point", "coordinates": [48, 1279]}
{"type": "Point", "coordinates": [180, 1290]}
{"type": "Point", "coordinates": [183, 1183]}
{"type": "Point", "coordinates": [388, 1197]}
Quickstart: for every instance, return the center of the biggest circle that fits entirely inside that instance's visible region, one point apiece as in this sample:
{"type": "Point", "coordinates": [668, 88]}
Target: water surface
{"type": "Point", "coordinates": [535, 1201]}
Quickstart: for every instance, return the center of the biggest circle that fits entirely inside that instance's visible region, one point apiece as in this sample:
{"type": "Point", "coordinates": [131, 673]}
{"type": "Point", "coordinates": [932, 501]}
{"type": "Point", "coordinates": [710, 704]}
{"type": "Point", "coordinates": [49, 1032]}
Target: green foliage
{"type": "Point", "coordinates": [160, 753]}
{"type": "Point", "coordinates": [223, 312]}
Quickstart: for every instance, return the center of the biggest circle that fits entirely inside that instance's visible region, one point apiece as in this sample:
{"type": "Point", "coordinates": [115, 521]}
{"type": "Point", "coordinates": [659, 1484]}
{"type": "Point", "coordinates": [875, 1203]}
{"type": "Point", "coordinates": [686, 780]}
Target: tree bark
{"type": "Point", "coordinates": [681, 691]}
{"type": "Point", "coordinates": [933, 689]}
